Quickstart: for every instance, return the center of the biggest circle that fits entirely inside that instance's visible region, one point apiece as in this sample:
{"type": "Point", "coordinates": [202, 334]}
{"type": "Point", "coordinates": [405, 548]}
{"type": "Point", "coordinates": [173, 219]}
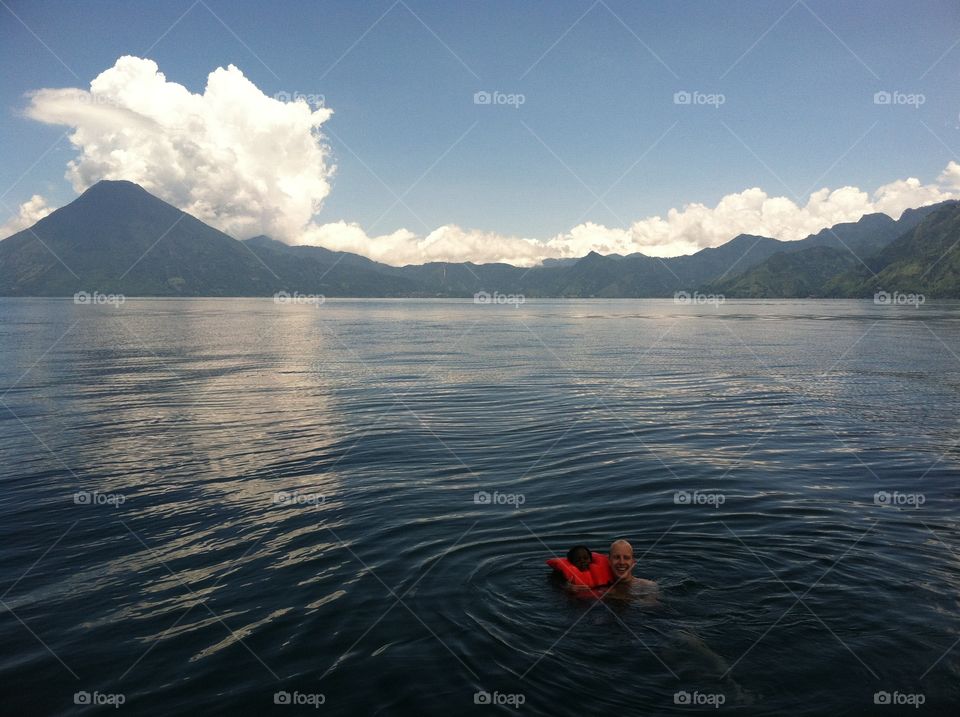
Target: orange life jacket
{"type": "Point", "coordinates": [599, 572]}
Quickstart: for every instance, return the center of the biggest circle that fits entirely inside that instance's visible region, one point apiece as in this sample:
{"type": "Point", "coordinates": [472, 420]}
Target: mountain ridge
{"type": "Point", "coordinates": [118, 238]}
{"type": "Point", "coordinates": [835, 262]}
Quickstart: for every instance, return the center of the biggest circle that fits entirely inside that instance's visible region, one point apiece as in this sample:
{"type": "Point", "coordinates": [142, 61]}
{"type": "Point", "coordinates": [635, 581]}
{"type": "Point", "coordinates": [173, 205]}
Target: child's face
{"type": "Point", "coordinates": [581, 560]}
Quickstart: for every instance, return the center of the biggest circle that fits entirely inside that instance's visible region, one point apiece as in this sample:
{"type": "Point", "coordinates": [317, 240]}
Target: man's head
{"type": "Point", "coordinates": [622, 560]}
{"type": "Point", "coordinates": [579, 556]}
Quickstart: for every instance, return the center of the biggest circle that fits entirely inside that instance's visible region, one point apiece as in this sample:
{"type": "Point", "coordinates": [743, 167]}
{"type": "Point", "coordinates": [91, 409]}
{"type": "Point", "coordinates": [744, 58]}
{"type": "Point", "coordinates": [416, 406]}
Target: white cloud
{"type": "Point", "coordinates": [753, 211]}
{"type": "Point", "coordinates": [404, 247]}
{"type": "Point", "coordinates": [683, 231]}
{"type": "Point", "coordinates": [250, 164]}
{"type": "Point", "coordinates": [233, 157]}
{"type": "Point", "coordinates": [951, 175]}
{"type": "Point", "coordinates": [28, 214]}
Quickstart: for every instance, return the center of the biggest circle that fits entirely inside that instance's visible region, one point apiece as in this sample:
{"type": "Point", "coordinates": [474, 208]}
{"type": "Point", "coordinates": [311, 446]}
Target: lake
{"type": "Point", "coordinates": [240, 506]}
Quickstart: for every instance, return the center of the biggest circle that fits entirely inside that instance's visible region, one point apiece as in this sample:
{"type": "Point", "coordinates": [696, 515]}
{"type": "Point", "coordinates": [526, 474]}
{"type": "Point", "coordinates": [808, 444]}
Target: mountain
{"type": "Point", "coordinates": [789, 274]}
{"type": "Point", "coordinates": [597, 275]}
{"type": "Point", "coordinates": [314, 269]}
{"type": "Point", "coordinates": [865, 236]}
{"type": "Point", "coordinates": [731, 259]}
{"type": "Point", "coordinates": [826, 264]}
{"type": "Point", "coordinates": [118, 238]}
{"type": "Point", "coordinates": [924, 260]}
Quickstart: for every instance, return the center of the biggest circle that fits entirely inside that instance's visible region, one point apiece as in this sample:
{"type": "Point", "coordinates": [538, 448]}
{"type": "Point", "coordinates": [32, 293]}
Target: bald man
{"type": "Point", "coordinates": [689, 654]}
{"type": "Point", "coordinates": [622, 562]}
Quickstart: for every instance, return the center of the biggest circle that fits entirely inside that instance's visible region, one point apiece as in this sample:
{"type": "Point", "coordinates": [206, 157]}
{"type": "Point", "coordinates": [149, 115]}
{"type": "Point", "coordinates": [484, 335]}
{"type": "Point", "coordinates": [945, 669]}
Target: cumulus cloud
{"type": "Point", "coordinates": [753, 211]}
{"type": "Point", "coordinates": [232, 156]}
{"type": "Point", "coordinates": [446, 243]}
{"type": "Point", "coordinates": [251, 164]}
{"type": "Point", "coordinates": [28, 214]}
{"type": "Point", "coordinates": [682, 231]}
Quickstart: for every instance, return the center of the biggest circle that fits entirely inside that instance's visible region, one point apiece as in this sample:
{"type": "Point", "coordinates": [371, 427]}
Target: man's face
{"type": "Point", "coordinates": [621, 560]}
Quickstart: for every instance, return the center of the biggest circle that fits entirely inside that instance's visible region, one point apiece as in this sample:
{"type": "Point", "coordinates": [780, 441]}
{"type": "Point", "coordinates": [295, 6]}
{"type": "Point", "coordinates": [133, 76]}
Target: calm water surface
{"type": "Point", "coordinates": [209, 505]}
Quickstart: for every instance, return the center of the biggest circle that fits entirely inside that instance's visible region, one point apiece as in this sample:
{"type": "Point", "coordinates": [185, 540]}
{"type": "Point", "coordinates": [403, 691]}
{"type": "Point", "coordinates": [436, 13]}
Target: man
{"type": "Point", "coordinates": [690, 656]}
{"type": "Point", "coordinates": [622, 562]}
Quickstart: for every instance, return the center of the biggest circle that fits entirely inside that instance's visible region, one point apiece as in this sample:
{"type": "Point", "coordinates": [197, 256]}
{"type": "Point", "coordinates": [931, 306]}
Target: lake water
{"type": "Point", "coordinates": [219, 506]}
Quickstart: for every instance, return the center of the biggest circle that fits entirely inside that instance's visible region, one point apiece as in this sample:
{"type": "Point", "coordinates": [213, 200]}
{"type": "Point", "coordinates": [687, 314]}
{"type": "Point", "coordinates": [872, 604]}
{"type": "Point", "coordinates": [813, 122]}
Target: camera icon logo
{"type": "Point", "coordinates": [481, 497]}
{"type": "Point", "coordinates": [882, 98]}
{"type": "Point", "coordinates": [682, 98]}
{"type": "Point", "coordinates": [281, 698]}
{"type": "Point", "coordinates": [482, 98]}
{"type": "Point", "coordinates": [682, 497]}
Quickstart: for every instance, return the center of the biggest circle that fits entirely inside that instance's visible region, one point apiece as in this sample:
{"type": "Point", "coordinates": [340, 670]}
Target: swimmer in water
{"type": "Point", "coordinates": [626, 583]}
{"type": "Point", "coordinates": [690, 656]}
{"type": "Point", "coordinates": [580, 557]}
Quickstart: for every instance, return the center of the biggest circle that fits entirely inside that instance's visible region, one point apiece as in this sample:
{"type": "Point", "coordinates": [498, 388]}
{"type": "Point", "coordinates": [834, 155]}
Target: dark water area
{"type": "Point", "coordinates": [219, 506]}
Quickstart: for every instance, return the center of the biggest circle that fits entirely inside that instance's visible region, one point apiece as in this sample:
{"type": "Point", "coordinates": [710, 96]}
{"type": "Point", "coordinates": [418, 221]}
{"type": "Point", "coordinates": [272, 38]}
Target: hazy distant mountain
{"type": "Point", "coordinates": [118, 238]}
{"type": "Point", "coordinates": [313, 269]}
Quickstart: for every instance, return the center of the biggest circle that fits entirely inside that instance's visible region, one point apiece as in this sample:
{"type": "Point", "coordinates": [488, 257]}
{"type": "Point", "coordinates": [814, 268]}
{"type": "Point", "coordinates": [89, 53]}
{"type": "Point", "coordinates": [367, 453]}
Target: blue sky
{"type": "Point", "coordinates": [598, 81]}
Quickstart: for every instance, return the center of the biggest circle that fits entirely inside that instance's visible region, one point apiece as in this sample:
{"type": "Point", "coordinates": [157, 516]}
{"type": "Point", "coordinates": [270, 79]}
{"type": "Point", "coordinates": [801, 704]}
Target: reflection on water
{"type": "Point", "coordinates": [208, 502]}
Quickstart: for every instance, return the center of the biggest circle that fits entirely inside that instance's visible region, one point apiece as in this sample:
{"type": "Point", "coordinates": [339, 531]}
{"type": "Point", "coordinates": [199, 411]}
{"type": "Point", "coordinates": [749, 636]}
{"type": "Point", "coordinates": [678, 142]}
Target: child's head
{"type": "Point", "coordinates": [579, 556]}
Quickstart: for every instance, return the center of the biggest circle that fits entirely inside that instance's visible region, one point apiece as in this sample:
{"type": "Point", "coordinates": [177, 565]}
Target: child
{"type": "Point", "coordinates": [579, 556]}
{"type": "Point", "coordinates": [583, 568]}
